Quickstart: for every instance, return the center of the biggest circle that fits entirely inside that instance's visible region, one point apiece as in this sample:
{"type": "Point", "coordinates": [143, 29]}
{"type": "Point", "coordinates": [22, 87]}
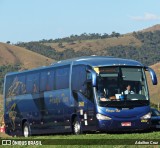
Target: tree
{"type": "Point", "coordinates": [8, 42]}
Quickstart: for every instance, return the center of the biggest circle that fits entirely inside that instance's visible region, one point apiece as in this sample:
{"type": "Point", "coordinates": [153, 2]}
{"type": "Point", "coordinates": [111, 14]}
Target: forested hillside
{"type": "Point", "coordinates": [141, 46]}
{"type": "Point", "coordinates": [4, 70]}
{"type": "Point", "coordinates": [50, 52]}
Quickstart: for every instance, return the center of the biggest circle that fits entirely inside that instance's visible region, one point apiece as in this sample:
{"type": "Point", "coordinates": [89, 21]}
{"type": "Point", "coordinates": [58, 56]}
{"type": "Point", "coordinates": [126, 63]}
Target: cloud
{"type": "Point", "coordinates": [146, 17]}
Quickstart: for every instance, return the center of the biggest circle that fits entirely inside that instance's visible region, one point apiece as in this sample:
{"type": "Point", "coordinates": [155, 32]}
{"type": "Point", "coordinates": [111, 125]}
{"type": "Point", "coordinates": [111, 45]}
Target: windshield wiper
{"type": "Point", "coordinates": [114, 103]}
{"type": "Point", "coordinates": [125, 103]}
{"type": "Point", "coordinates": [142, 102]}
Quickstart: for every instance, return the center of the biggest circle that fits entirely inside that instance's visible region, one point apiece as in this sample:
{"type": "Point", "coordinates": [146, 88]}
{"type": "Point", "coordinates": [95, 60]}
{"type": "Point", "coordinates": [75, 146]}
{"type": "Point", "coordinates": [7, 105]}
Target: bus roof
{"type": "Point", "coordinates": [97, 61]}
{"type": "Point", "coordinates": [94, 61]}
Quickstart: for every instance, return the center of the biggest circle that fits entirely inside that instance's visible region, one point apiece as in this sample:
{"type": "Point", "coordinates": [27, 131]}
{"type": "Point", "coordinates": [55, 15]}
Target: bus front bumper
{"type": "Point", "coordinates": [123, 125]}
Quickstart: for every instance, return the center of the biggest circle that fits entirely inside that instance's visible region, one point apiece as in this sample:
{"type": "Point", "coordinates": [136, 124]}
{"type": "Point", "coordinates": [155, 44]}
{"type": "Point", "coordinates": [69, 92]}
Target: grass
{"type": "Point", "coordinates": [141, 135]}
{"type": "Point", "coordinates": [94, 139]}
{"type": "Point", "coordinates": [17, 55]}
{"type": "Point", "coordinates": [98, 44]}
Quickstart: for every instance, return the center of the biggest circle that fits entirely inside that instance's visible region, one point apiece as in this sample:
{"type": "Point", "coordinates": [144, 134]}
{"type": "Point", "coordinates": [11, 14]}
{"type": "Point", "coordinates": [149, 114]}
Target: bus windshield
{"type": "Point", "coordinates": [118, 85]}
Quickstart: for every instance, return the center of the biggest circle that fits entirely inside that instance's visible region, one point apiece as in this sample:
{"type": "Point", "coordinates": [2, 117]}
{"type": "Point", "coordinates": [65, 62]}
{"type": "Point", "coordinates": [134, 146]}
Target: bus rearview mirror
{"type": "Point", "coordinates": [153, 75]}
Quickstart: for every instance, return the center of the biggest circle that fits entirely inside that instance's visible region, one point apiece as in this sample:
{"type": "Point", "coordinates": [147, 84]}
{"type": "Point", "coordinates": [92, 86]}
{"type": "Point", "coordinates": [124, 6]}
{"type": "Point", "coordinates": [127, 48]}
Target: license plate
{"type": "Point", "coordinates": [126, 124]}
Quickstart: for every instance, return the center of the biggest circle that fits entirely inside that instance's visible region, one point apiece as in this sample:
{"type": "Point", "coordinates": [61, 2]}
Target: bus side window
{"type": "Point", "coordinates": [32, 83]}
{"type": "Point", "coordinates": [82, 82]}
{"type": "Point", "coordinates": [78, 79]}
{"type": "Point", "coordinates": [89, 91]}
{"type": "Point", "coordinates": [43, 81]}
{"type": "Point", "coordinates": [11, 85]}
{"type": "Point", "coordinates": [50, 80]}
{"type": "Point", "coordinates": [22, 86]}
{"type": "Point", "coordinates": [47, 80]}
{"type": "Point", "coordinates": [62, 77]}
{"type": "Point", "coordinates": [16, 85]}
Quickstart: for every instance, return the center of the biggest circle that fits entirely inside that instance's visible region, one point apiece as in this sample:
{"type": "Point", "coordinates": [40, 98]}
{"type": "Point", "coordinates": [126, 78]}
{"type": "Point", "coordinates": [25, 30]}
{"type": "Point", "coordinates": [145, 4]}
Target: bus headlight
{"type": "Point", "coordinates": [147, 116]}
{"type": "Point", "coordinates": [102, 117]}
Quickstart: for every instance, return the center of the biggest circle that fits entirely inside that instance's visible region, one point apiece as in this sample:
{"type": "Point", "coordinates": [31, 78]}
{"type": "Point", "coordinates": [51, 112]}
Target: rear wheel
{"type": "Point", "coordinates": [26, 130]}
{"type": "Point", "coordinates": [77, 127]}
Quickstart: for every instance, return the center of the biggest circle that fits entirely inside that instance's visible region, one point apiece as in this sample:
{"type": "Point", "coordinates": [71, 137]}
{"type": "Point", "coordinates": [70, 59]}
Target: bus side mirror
{"type": "Point", "coordinates": [153, 75]}
{"type": "Point", "coordinates": [94, 76]}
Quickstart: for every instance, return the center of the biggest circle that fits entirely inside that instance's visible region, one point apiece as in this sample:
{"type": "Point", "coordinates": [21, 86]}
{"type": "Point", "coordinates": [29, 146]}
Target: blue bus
{"type": "Point", "coordinates": [78, 95]}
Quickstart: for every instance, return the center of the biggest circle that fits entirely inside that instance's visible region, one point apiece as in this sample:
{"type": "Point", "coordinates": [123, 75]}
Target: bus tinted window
{"type": "Point", "coordinates": [32, 83]}
{"type": "Point", "coordinates": [47, 80]}
{"type": "Point", "coordinates": [22, 87]}
{"type": "Point", "coordinates": [62, 77]}
{"type": "Point", "coordinates": [15, 86]}
{"type": "Point", "coordinates": [43, 81]}
{"type": "Point", "coordinates": [50, 80]}
{"type": "Point", "coordinates": [78, 78]}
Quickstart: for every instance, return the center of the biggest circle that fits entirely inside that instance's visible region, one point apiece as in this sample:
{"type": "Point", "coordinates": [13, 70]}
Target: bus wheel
{"type": "Point", "coordinates": [76, 127]}
{"type": "Point", "coordinates": [26, 129]}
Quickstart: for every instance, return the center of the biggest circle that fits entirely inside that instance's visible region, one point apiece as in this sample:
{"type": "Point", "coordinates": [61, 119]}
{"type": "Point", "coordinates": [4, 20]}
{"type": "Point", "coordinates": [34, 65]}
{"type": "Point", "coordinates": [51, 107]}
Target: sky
{"type": "Point", "coordinates": [34, 20]}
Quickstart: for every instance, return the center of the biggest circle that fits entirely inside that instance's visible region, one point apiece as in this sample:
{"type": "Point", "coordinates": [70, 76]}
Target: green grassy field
{"type": "Point", "coordinates": [95, 139]}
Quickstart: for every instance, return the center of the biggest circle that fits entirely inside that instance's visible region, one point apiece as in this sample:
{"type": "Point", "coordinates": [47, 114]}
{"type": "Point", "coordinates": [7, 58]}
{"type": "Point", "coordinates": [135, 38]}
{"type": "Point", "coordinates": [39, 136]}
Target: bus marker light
{"type": "Point", "coordinates": [81, 112]}
{"type": "Point", "coordinates": [85, 116]}
{"type": "Point", "coordinates": [143, 120]}
{"type": "Point", "coordinates": [85, 122]}
{"type": "Point", "coordinates": [81, 104]}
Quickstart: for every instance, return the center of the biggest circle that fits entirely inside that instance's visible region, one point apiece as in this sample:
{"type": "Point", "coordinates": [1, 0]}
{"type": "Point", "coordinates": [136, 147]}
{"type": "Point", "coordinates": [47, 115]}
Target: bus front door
{"type": "Point", "coordinates": [86, 110]}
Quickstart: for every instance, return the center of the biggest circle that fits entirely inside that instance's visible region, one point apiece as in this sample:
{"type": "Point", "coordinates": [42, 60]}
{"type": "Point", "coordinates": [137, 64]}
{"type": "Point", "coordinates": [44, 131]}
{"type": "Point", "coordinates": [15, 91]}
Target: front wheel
{"type": "Point", "coordinates": [26, 130]}
{"type": "Point", "coordinates": [77, 127]}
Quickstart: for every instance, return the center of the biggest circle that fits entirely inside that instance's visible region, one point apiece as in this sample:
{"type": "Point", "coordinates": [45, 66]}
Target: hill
{"type": "Point", "coordinates": [99, 44]}
{"type": "Point", "coordinates": [142, 46]}
{"type": "Point", "coordinates": [155, 89]}
{"type": "Point", "coordinates": [96, 44]}
{"type": "Point", "coordinates": [14, 55]}
{"type": "Point", "coordinates": [151, 29]}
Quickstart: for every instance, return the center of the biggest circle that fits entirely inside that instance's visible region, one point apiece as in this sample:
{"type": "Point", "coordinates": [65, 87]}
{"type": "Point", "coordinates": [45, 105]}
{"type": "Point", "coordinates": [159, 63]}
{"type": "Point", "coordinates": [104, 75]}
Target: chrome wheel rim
{"type": "Point", "coordinates": [77, 127]}
{"type": "Point", "coordinates": [26, 131]}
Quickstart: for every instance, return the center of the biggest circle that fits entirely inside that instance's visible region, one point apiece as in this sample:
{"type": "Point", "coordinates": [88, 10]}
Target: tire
{"type": "Point", "coordinates": [26, 130]}
{"type": "Point", "coordinates": [77, 127]}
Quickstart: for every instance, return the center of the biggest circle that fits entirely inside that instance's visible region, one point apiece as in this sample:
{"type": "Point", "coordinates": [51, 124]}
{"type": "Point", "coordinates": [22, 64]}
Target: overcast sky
{"type": "Point", "coordinates": [34, 20]}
